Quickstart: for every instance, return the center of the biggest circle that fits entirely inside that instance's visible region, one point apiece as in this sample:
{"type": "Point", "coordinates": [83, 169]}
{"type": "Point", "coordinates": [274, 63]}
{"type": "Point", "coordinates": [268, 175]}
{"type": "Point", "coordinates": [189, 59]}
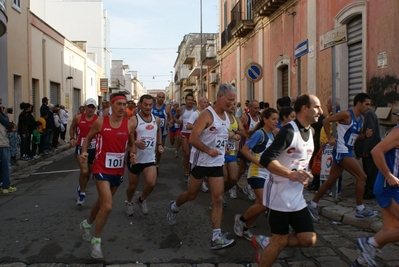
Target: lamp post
{"type": "Point", "coordinates": [172, 81]}
{"type": "Point", "coordinates": [201, 89]}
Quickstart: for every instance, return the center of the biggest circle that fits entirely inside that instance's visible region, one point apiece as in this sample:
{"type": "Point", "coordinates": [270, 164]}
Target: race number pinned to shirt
{"type": "Point", "coordinates": [114, 160]}
{"type": "Point", "coordinates": [221, 143]}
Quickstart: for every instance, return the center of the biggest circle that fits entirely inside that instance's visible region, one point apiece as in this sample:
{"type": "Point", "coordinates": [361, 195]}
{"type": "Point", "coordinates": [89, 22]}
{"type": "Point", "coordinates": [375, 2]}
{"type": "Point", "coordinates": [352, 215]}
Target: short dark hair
{"type": "Point", "coordinates": [302, 100]}
{"type": "Point", "coordinates": [146, 96]}
{"type": "Point", "coordinates": [285, 112]}
{"type": "Point", "coordinates": [360, 98]}
{"type": "Point", "coordinates": [44, 99]}
{"type": "Point", "coordinates": [189, 94]}
{"type": "Point", "coordinates": [38, 123]}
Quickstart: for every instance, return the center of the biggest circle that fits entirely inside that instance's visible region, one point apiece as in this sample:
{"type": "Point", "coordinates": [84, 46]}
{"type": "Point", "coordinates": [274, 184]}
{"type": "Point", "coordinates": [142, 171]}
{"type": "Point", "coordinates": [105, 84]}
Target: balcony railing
{"type": "Point", "coordinates": [227, 36]}
{"type": "Point", "coordinates": [241, 26]}
{"type": "Point", "coordinates": [266, 7]}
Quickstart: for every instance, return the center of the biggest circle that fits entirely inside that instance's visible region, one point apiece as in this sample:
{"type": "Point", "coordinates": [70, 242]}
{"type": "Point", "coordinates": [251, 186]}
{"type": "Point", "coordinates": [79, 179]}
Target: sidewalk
{"type": "Point", "coordinates": [21, 164]}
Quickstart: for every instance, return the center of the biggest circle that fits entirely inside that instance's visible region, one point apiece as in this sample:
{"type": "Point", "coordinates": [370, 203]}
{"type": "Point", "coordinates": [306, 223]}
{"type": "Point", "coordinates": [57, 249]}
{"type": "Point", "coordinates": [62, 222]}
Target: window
{"type": "Point", "coordinates": [16, 4]}
{"type": "Point", "coordinates": [249, 9]}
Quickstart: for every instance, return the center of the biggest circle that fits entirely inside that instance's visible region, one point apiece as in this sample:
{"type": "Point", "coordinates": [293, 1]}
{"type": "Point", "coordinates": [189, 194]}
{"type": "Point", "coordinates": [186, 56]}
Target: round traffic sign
{"type": "Point", "coordinates": [253, 72]}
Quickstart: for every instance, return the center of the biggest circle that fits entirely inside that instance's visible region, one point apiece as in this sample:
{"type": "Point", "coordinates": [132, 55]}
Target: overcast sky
{"type": "Point", "coordinates": [146, 33]}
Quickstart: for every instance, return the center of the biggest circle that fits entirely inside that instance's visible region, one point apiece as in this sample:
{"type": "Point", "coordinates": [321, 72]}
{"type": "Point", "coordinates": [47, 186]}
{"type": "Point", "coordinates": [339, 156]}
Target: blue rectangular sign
{"type": "Point", "coordinates": [301, 49]}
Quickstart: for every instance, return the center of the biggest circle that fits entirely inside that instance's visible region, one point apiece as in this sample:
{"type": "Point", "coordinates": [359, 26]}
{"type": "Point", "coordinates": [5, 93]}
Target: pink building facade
{"type": "Point", "coordinates": [266, 32]}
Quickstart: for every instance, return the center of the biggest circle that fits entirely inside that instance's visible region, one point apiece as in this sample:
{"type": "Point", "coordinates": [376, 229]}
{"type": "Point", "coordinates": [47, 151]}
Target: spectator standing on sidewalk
{"type": "Point", "coordinates": [57, 126]}
{"type": "Point", "coordinates": [113, 133]}
{"type": "Point", "coordinates": [23, 131]}
{"type": "Point", "coordinates": [5, 154]}
{"type": "Point", "coordinates": [209, 139]}
{"type": "Point", "coordinates": [80, 128]}
{"type": "Point", "coordinates": [386, 190]}
{"type": "Point", "coordinates": [349, 129]}
{"type": "Point", "coordinates": [363, 149]}
{"type": "Point", "coordinates": [36, 137]}
{"type": "Point", "coordinates": [64, 118]}
{"type": "Point", "coordinates": [14, 142]}
{"type": "Point", "coordinates": [287, 160]}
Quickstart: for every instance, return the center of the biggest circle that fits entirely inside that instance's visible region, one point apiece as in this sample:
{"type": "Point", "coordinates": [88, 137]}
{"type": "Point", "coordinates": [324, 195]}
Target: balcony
{"type": "Point", "coordinates": [214, 78]}
{"type": "Point", "coordinates": [196, 71]}
{"type": "Point", "coordinates": [266, 7]}
{"type": "Point", "coordinates": [226, 34]}
{"type": "Point", "coordinates": [241, 26]}
{"type": "Point", "coordinates": [208, 55]}
{"type": "Point", "coordinates": [3, 17]}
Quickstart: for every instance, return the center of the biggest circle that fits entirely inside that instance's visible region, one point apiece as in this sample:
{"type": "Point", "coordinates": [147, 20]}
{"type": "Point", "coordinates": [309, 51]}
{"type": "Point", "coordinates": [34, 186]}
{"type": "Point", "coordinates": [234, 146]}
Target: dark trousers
{"type": "Point", "coordinates": [62, 134]}
{"type": "Point", "coordinates": [48, 144]}
{"type": "Point", "coordinates": [42, 145]}
{"type": "Point", "coordinates": [56, 135]}
{"type": "Point", "coordinates": [25, 145]}
{"type": "Point", "coordinates": [371, 171]}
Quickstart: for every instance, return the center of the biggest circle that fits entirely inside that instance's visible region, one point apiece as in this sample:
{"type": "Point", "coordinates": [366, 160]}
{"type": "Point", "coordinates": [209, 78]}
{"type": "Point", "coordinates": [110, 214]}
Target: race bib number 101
{"type": "Point", "coordinates": [114, 160]}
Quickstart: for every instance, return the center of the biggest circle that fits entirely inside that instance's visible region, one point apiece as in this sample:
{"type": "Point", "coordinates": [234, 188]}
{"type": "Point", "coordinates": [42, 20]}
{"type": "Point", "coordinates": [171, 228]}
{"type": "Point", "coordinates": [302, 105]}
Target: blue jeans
{"type": "Point", "coordinates": [5, 167]}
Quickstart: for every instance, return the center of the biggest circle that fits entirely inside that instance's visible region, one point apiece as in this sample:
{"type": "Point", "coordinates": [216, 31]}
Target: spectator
{"type": "Point", "coordinates": [14, 141]}
{"type": "Point", "coordinates": [49, 128]}
{"type": "Point", "coordinates": [239, 110]}
{"type": "Point", "coordinates": [363, 149]}
{"type": "Point", "coordinates": [42, 119]}
{"type": "Point", "coordinates": [23, 130]}
{"type": "Point", "coordinates": [64, 118]}
{"type": "Point", "coordinates": [36, 139]}
{"type": "Point", "coordinates": [57, 126]}
{"type": "Point", "coordinates": [5, 154]}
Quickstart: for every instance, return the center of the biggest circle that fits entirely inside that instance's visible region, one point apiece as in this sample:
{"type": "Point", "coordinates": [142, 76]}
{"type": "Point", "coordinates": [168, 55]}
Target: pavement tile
{"type": "Point", "coordinates": [331, 262]}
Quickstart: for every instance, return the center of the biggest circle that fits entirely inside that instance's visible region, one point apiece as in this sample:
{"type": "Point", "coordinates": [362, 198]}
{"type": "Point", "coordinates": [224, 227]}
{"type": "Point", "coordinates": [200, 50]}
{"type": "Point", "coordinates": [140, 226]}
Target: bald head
{"type": "Point", "coordinates": [203, 103]}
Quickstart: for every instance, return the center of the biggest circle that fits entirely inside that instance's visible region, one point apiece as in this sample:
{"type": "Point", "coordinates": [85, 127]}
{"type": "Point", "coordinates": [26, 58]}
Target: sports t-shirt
{"type": "Point", "coordinates": [110, 148]}
{"type": "Point", "coordinates": [348, 133]}
{"type": "Point", "coordinates": [146, 130]}
{"type": "Point", "coordinates": [161, 114]}
{"type": "Point", "coordinates": [258, 142]}
{"type": "Point", "coordinates": [83, 129]}
{"type": "Point", "coordinates": [216, 137]}
{"type": "Point", "coordinates": [293, 148]}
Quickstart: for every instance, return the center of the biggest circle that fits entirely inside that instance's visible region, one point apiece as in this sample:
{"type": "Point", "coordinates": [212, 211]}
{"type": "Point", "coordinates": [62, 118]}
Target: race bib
{"type": "Point", "coordinates": [221, 143]}
{"type": "Point", "coordinates": [149, 143]}
{"type": "Point", "coordinates": [114, 160]}
{"type": "Point", "coordinates": [352, 139]}
{"type": "Point", "coordinates": [176, 125]}
{"type": "Point", "coordinates": [92, 143]}
{"type": "Point", "coordinates": [161, 122]}
{"type": "Point", "coordinates": [231, 144]}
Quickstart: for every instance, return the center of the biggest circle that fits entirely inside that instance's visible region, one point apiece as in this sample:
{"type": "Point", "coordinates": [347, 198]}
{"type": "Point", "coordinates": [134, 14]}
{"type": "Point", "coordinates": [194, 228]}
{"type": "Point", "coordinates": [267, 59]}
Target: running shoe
{"type": "Point", "coordinates": [142, 206]}
{"type": "Point", "coordinates": [247, 235]}
{"type": "Point", "coordinates": [171, 216]}
{"type": "Point", "coordinates": [260, 242]}
{"type": "Point", "coordinates": [8, 190]}
{"type": "Point", "coordinates": [224, 202]}
{"type": "Point", "coordinates": [249, 192]}
{"type": "Point", "coordinates": [357, 263]}
{"type": "Point", "coordinates": [129, 208]}
{"type": "Point", "coordinates": [85, 227]}
{"type": "Point", "coordinates": [96, 251]}
{"type": "Point", "coordinates": [204, 187]}
{"type": "Point", "coordinates": [221, 242]}
{"type": "Point", "coordinates": [80, 201]}
{"type": "Point", "coordinates": [368, 250]}
{"type": "Point", "coordinates": [176, 156]}
{"type": "Point", "coordinates": [313, 212]}
{"type": "Point", "coordinates": [366, 213]}
{"type": "Point", "coordinates": [233, 192]}
{"type": "Point", "coordinates": [238, 225]}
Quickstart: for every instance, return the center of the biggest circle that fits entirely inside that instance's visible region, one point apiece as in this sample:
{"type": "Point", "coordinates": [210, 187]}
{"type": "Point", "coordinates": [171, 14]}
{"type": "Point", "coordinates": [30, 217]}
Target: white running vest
{"type": "Point", "coordinates": [184, 118]}
{"type": "Point", "coordinates": [216, 137]}
{"type": "Point", "coordinates": [148, 132]}
{"type": "Point", "coordinates": [281, 193]}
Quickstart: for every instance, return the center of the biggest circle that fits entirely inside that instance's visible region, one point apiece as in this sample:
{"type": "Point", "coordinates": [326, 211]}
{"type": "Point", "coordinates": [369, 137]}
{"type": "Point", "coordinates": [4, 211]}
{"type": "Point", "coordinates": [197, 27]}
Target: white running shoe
{"type": "Point", "coordinates": [249, 192]}
{"type": "Point", "coordinates": [129, 208]}
{"type": "Point", "coordinates": [238, 225]}
{"type": "Point", "coordinates": [204, 187]}
{"type": "Point", "coordinates": [96, 251]}
{"type": "Point", "coordinates": [86, 231]}
{"type": "Point", "coordinates": [233, 192]}
{"type": "Point", "coordinates": [143, 206]}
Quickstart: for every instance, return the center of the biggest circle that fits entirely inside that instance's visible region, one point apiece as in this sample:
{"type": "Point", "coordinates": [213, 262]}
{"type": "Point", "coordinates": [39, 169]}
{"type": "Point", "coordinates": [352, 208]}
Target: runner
{"type": "Point", "coordinates": [174, 130]}
{"type": "Point", "coordinates": [350, 127]}
{"type": "Point", "coordinates": [261, 136]}
{"type": "Point", "coordinates": [182, 115]}
{"type": "Point", "coordinates": [148, 140]}
{"type": "Point", "coordinates": [113, 134]}
{"type": "Point", "coordinates": [81, 125]}
{"type": "Point", "coordinates": [130, 109]}
{"type": "Point", "coordinates": [162, 111]}
{"type": "Point", "coordinates": [209, 139]}
{"type": "Point", "coordinates": [287, 160]}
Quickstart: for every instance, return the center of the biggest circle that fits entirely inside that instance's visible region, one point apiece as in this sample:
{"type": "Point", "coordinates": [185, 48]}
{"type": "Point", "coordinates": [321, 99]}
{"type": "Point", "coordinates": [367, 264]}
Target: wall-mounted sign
{"type": "Point", "coordinates": [301, 49]}
{"type": "Point", "coordinates": [382, 61]}
{"type": "Point", "coordinates": [104, 85]}
{"type": "Point", "coordinates": [253, 72]}
{"type": "Point", "coordinates": [334, 37]}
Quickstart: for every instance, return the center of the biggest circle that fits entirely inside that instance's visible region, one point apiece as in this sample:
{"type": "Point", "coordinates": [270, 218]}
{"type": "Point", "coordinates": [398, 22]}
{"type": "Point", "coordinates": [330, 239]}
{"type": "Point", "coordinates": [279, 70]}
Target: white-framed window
{"type": "Point", "coordinates": [16, 4]}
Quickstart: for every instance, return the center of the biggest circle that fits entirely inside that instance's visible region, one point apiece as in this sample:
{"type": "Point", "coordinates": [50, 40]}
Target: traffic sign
{"type": "Point", "coordinates": [301, 49]}
{"type": "Point", "coordinates": [253, 72]}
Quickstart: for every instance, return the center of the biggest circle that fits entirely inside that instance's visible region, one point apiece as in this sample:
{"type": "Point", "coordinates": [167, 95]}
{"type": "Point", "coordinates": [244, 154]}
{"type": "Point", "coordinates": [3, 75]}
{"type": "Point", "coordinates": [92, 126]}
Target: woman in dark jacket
{"type": "Point", "coordinates": [23, 130]}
